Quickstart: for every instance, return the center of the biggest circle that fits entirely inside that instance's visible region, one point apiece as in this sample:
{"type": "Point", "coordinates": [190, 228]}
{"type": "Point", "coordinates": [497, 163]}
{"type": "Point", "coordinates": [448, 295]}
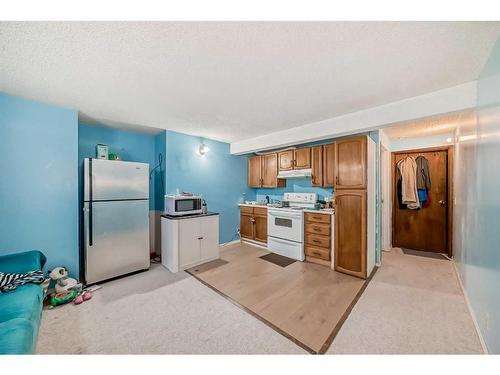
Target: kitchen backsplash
{"type": "Point", "coordinates": [296, 185]}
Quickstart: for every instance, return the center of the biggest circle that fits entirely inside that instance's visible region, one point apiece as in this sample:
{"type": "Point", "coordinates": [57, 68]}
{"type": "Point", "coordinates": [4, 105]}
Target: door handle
{"type": "Point", "coordinates": [442, 203]}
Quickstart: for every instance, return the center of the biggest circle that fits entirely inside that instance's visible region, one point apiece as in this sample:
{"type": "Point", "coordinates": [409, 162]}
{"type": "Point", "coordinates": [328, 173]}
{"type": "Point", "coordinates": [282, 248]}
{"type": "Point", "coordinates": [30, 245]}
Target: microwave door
{"type": "Point", "coordinates": [187, 205]}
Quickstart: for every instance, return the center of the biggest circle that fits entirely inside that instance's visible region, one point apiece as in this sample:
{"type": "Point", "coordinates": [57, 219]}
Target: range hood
{"type": "Point", "coordinates": [296, 173]}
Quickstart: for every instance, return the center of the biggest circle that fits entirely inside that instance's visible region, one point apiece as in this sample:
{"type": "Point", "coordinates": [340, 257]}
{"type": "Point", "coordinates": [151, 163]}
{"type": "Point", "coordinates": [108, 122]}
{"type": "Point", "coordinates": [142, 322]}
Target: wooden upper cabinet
{"type": "Point", "coordinates": [285, 160]}
{"type": "Point", "coordinates": [350, 232]}
{"type": "Point", "coordinates": [302, 158]}
{"type": "Point", "coordinates": [350, 163]}
{"type": "Point", "coordinates": [317, 166]}
{"type": "Point", "coordinates": [255, 171]}
{"type": "Point", "coordinates": [270, 172]}
{"type": "Point", "coordinates": [329, 165]}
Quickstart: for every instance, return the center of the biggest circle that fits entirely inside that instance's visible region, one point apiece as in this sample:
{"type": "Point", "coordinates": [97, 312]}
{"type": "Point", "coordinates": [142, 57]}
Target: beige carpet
{"type": "Point", "coordinates": [157, 312]}
{"type": "Point", "coordinates": [413, 305]}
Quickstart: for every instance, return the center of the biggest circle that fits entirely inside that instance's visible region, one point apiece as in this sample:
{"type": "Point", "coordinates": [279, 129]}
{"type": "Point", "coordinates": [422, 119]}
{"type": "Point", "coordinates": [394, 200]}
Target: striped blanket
{"type": "Point", "coordinates": [10, 281]}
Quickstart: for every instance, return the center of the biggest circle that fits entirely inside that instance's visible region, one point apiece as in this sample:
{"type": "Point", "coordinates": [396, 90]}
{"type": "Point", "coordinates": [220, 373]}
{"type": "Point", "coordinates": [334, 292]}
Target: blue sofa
{"type": "Point", "coordinates": [21, 309]}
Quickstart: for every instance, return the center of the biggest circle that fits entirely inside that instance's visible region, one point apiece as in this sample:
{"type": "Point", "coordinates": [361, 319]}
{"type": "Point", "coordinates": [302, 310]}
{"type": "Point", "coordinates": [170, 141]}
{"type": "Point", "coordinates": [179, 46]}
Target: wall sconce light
{"type": "Point", "coordinates": [203, 149]}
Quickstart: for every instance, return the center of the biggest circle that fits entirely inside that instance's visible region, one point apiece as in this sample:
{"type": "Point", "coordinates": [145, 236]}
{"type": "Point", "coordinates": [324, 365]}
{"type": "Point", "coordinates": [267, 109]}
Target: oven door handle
{"type": "Point", "coordinates": [285, 215]}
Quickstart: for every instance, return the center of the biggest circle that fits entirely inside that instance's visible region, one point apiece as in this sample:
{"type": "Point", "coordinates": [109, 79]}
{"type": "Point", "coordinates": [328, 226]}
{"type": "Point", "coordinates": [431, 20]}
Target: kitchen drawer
{"type": "Point", "coordinates": [318, 240]}
{"type": "Point", "coordinates": [317, 252]}
{"type": "Point", "coordinates": [317, 218]}
{"type": "Point", "coordinates": [260, 211]}
{"type": "Point", "coordinates": [246, 210]}
{"type": "Point", "coordinates": [318, 228]}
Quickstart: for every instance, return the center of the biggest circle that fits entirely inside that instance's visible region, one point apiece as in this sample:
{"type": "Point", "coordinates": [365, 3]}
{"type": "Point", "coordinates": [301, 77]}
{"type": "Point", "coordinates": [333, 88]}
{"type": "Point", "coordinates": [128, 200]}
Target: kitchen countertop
{"type": "Point", "coordinates": [170, 217]}
{"type": "Point", "coordinates": [252, 205]}
{"type": "Point", "coordinates": [325, 211]}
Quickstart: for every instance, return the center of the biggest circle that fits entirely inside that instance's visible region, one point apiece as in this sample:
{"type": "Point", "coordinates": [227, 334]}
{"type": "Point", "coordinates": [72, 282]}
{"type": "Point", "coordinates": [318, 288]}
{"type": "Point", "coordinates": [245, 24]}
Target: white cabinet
{"type": "Point", "coordinates": [188, 242]}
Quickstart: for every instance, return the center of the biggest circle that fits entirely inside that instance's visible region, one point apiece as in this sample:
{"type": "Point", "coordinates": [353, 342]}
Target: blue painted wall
{"type": "Point", "coordinates": [296, 185]}
{"type": "Point", "coordinates": [39, 182]}
{"type": "Point", "coordinates": [476, 231]}
{"type": "Point", "coordinates": [131, 146]}
{"type": "Point", "coordinates": [219, 176]}
{"type": "Point", "coordinates": [159, 173]}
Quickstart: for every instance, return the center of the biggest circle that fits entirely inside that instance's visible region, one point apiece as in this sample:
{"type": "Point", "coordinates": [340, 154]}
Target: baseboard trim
{"type": "Point", "coordinates": [255, 243]}
{"type": "Point", "coordinates": [469, 307]}
{"type": "Point", "coordinates": [229, 243]}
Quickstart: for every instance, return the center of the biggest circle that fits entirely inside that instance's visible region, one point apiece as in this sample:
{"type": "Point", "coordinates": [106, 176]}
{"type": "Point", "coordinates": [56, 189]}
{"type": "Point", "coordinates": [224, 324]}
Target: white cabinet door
{"type": "Point", "coordinates": [189, 241]}
{"type": "Point", "coordinates": [210, 234]}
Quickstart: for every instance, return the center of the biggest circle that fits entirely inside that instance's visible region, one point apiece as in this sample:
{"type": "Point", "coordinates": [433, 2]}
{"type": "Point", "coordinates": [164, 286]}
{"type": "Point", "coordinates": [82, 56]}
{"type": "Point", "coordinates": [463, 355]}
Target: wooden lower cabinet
{"type": "Point", "coordinates": [253, 223]}
{"type": "Point", "coordinates": [350, 232]}
{"type": "Point", "coordinates": [246, 225]}
{"type": "Point", "coordinates": [317, 238]}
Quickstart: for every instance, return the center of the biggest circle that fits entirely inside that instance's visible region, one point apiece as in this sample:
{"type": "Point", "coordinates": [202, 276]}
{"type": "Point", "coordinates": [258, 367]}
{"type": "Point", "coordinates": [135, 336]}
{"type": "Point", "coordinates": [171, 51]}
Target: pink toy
{"type": "Point", "coordinates": [85, 296]}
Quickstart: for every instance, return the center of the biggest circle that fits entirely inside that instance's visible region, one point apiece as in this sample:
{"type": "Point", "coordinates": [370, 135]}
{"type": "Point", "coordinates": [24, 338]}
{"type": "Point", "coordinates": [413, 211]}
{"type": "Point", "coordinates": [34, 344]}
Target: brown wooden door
{"type": "Point", "coordinates": [246, 225]}
{"type": "Point", "coordinates": [260, 228]}
{"type": "Point", "coordinates": [302, 158]}
{"type": "Point", "coordinates": [350, 163]}
{"type": "Point", "coordinates": [328, 165]}
{"type": "Point", "coordinates": [270, 172]}
{"type": "Point", "coordinates": [424, 229]}
{"type": "Point", "coordinates": [254, 171]}
{"type": "Point", "coordinates": [350, 232]}
{"type": "Point", "coordinates": [317, 166]}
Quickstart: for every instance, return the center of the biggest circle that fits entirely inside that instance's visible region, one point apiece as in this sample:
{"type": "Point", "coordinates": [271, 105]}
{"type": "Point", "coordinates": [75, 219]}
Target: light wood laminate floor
{"type": "Point", "coordinates": [304, 301]}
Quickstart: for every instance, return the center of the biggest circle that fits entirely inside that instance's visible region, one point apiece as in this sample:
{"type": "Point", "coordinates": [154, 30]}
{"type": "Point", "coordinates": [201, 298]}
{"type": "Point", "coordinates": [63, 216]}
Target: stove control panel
{"type": "Point", "coordinates": [309, 198]}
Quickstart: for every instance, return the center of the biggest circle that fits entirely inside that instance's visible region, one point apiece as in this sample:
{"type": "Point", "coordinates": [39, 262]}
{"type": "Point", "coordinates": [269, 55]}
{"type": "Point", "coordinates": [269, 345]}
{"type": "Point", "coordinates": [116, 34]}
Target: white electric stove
{"type": "Point", "coordinates": [285, 225]}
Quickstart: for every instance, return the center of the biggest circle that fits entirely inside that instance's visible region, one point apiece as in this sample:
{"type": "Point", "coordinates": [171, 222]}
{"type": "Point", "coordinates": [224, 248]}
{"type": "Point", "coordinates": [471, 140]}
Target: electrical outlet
{"type": "Point", "coordinates": [238, 231]}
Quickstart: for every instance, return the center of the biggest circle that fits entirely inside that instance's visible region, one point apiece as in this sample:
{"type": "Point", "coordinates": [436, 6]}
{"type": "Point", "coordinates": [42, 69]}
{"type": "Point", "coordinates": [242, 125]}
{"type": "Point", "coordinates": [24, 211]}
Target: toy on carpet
{"type": "Point", "coordinates": [64, 283]}
{"type": "Point", "coordinates": [67, 288]}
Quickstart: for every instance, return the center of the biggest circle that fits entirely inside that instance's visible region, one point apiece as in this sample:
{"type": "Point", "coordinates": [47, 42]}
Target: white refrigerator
{"type": "Point", "coordinates": [116, 219]}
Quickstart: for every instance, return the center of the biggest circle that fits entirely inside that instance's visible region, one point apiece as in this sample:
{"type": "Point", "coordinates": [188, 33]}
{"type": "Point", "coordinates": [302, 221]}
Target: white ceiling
{"type": "Point", "coordinates": [235, 80]}
{"type": "Point", "coordinates": [428, 127]}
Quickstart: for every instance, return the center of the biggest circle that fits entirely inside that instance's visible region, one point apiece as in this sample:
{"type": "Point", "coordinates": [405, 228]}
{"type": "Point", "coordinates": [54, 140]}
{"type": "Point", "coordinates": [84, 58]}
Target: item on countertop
{"type": "Point", "coordinates": [10, 281]}
{"type": "Point", "coordinates": [204, 209]}
{"type": "Point", "coordinates": [114, 157]}
{"type": "Point", "coordinates": [64, 283]}
{"type": "Point", "coordinates": [177, 205]}
{"type": "Point", "coordinates": [102, 151]}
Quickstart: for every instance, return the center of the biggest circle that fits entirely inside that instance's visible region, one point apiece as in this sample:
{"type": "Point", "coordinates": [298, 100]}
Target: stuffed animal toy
{"type": "Point", "coordinates": [64, 283]}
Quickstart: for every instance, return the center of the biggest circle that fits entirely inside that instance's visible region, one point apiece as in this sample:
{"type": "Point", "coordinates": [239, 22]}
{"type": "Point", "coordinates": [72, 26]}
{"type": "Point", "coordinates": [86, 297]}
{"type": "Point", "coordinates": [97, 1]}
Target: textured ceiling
{"type": "Point", "coordinates": [438, 125]}
{"type": "Point", "coordinates": [235, 80]}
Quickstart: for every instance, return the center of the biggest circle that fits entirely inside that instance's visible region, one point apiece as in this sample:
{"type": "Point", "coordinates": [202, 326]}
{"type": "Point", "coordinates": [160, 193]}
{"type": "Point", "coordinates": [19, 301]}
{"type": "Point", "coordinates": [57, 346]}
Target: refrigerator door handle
{"type": "Point", "coordinates": [91, 230]}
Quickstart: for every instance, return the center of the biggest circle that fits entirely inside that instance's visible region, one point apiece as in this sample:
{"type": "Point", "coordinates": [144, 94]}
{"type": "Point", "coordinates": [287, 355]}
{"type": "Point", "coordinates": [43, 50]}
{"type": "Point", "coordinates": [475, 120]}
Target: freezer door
{"type": "Point", "coordinates": [112, 180]}
{"type": "Point", "coordinates": [118, 240]}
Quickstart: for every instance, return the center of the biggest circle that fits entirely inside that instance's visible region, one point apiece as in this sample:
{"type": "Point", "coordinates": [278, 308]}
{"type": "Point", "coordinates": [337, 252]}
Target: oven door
{"type": "Point", "coordinates": [285, 224]}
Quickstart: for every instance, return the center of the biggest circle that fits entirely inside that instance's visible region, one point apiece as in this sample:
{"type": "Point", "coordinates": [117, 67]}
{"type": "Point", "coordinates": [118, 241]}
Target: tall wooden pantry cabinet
{"type": "Point", "coordinates": [355, 164]}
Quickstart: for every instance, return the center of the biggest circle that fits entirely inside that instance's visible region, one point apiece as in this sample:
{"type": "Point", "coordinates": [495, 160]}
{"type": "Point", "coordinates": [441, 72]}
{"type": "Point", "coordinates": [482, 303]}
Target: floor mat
{"type": "Point", "coordinates": [207, 266]}
{"type": "Point", "coordinates": [426, 254]}
{"type": "Point", "coordinates": [279, 260]}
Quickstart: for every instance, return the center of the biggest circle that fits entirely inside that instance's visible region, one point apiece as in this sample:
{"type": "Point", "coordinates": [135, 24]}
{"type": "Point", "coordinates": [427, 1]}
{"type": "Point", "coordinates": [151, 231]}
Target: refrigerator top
{"type": "Point", "coordinates": [115, 180]}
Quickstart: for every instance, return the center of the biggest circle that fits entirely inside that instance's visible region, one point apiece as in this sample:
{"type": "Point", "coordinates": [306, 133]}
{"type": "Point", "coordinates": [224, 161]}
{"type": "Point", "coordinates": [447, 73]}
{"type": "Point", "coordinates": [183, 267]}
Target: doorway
{"type": "Point", "coordinates": [427, 228]}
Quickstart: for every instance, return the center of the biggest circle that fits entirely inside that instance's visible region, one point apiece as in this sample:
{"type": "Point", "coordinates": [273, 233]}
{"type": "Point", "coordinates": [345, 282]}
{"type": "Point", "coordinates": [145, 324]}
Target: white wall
{"type": "Point", "coordinates": [477, 205]}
